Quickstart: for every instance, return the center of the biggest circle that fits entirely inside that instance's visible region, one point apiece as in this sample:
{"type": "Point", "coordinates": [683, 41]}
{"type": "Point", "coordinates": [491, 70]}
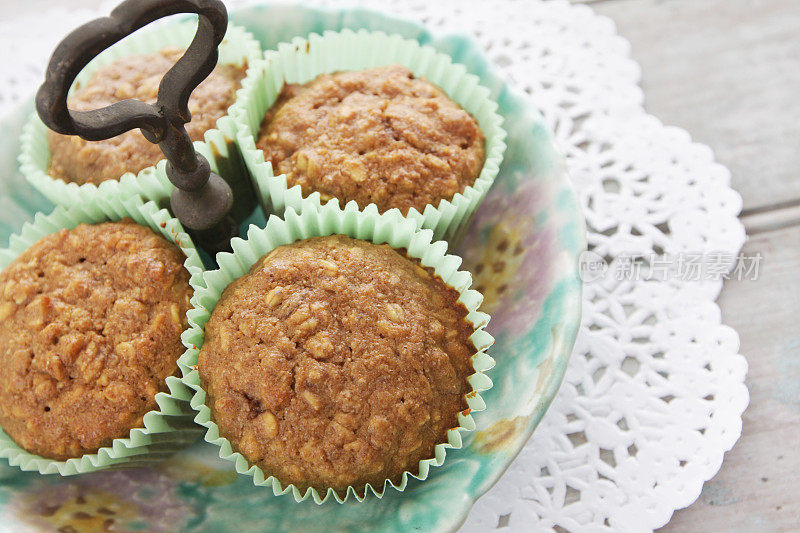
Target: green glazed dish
{"type": "Point", "coordinates": [529, 225]}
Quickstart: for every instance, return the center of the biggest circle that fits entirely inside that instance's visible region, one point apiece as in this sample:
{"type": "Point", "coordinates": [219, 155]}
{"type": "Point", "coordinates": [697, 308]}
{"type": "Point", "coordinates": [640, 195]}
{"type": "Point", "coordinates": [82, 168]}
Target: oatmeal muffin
{"type": "Point", "coordinates": [90, 325]}
{"type": "Point", "coordinates": [76, 160]}
{"type": "Point", "coordinates": [378, 136]}
{"type": "Point", "coordinates": [336, 362]}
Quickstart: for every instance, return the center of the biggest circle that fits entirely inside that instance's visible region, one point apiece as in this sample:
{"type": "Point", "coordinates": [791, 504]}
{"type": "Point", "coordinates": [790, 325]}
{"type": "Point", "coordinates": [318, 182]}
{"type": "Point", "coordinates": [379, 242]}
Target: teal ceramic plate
{"type": "Point", "coordinates": [523, 248]}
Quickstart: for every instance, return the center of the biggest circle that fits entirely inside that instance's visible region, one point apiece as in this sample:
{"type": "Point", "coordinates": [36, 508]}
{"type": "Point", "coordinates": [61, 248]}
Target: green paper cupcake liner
{"type": "Point", "coordinates": [237, 48]}
{"type": "Point", "coordinates": [168, 428]}
{"type": "Point", "coordinates": [369, 225]}
{"type": "Point", "coordinates": [304, 59]}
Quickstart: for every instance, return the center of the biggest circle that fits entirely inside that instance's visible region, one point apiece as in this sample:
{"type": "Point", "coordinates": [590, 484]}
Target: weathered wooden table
{"type": "Point", "coordinates": [728, 71]}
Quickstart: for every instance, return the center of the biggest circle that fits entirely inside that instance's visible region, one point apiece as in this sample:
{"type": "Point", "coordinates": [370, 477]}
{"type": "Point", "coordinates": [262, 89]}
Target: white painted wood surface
{"type": "Point", "coordinates": [755, 490]}
{"type": "Point", "coordinates": [728, 71]}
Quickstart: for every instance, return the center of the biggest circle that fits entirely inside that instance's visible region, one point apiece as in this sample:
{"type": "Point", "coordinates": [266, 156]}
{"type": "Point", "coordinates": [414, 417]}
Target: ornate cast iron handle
{"type": "Point", "coordinates": [201, 200]}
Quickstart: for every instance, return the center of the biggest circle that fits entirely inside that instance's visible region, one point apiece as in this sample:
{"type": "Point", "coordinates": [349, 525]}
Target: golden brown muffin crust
{"type": "Point", "coordinates": [76, 160]}
{"type": "Point", "coordinates": [337, 362]}
{"type": "Point", "coordinates": [378, 135]}
{"type": "Point", "coordinates": [90, 324]}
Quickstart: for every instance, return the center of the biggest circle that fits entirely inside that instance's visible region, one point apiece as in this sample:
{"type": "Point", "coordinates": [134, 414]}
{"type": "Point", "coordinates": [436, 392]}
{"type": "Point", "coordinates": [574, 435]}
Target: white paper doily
{"type": "Point", "coordinates": [654, 393]}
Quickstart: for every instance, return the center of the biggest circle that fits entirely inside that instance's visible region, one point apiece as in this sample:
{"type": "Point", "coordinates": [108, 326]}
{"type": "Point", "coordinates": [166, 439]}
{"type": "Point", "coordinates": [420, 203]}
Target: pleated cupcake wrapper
{"type": "Point", "coordinates": [391, 228]}
{"type": "Point", "coordinates": [304, 59]}
{"type": "Point", "coordinates": [238, 47]}
{"type": "Point", "coordinates": [168, 428]}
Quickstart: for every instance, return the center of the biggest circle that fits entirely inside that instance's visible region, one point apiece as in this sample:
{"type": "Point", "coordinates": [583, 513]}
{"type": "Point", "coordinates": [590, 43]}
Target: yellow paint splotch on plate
{"type": "Point", "coordinates": [87, 511]}
{"type": "Point", "coordinates": [186, 469]}
{"type": "Point", "coordinates": [499, 263]}
{"type": "Point", "coordinates": [500, 436]}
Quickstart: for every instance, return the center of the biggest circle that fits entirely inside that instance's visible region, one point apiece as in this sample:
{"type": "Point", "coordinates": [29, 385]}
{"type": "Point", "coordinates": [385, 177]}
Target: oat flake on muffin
{"type": "Point", "coordinates": [378, 136]}
{"type": "Point", "coordinates": [76, 160]}
{"type": "Point", "coordinates": [336, 362]}
{"type": "Point", "coordinates": [90, 325]}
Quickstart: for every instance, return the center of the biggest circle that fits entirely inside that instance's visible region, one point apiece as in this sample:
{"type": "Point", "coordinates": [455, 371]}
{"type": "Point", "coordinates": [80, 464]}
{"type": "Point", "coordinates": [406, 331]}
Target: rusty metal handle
{"type": "Point", "coordinates": [201, 200]}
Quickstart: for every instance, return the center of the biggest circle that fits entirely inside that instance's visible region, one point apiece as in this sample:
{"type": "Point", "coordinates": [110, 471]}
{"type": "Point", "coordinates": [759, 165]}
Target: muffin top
{"type": "Point", "coordinates": [76, 160]}
{"type": "Point", "coordinates": [378, 136]}
{"type": "Point", "coordinates": [337, 362]}
{"type": "Point", "coordinates": [90, 324]}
